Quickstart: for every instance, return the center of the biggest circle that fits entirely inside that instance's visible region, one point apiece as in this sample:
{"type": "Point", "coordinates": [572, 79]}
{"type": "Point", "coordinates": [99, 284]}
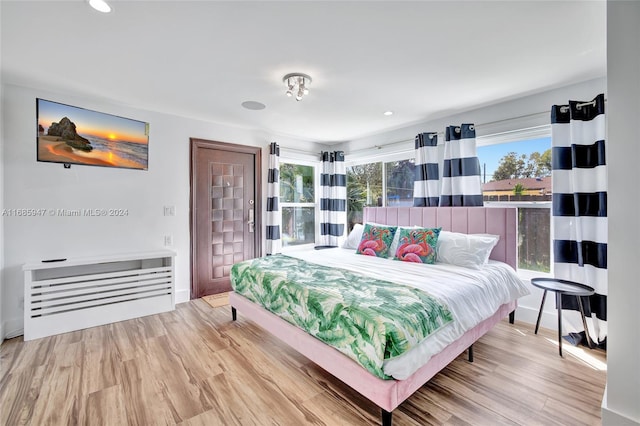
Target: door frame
{"type": "Point", "coordinates": [195, 144]}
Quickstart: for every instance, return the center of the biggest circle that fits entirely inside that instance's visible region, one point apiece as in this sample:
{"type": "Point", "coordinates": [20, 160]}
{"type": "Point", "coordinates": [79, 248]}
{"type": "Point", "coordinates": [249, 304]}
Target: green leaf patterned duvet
{"type": "Point", "coordinates": [367, 319]}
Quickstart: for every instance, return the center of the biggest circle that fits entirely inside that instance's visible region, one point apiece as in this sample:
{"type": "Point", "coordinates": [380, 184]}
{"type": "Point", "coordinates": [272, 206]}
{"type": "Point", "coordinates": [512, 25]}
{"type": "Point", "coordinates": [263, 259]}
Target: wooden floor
{"type": "Point", "coordinates": [194, 366]}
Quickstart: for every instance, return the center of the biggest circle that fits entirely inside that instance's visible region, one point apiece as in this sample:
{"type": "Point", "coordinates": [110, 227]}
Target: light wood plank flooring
{"type": "Point", "coordinates": [194, 366]}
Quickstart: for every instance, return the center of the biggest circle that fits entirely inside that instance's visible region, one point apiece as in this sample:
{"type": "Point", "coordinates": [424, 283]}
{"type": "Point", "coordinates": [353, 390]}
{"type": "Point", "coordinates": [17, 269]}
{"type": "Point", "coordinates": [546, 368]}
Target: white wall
{"type": "Point", "coordinates": [622, 403]}
{"type": "Point", "coordinates": [30, 184]}
{"type": "Point", "coordinates": [2, 320]}
{"type": "Point", "coordinates": [2, 291]}
{"type": "Point", "coordinates": [525, 112]}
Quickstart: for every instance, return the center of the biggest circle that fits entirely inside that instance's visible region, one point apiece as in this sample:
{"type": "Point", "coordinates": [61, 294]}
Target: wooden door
{"type": "Point", "coordinates": [225, 212]}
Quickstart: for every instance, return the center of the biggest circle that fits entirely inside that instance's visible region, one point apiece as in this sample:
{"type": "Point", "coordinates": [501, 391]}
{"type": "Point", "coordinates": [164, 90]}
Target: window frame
{"type": "Point", "coordinates": [521, 135]}
{"type": "Point", "coordinates": [384, 159]}
{"type": "Point", "coordinates": [315, 204]}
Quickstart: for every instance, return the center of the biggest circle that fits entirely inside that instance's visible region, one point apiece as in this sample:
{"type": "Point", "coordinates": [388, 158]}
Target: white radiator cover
{"type": "Point", "coordinates": [86, 292]}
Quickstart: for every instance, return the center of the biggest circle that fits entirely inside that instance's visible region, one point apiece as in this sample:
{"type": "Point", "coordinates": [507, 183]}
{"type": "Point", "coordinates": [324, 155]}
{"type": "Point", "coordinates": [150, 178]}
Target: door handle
{"type": "Point", "coordinates": [251, 221]}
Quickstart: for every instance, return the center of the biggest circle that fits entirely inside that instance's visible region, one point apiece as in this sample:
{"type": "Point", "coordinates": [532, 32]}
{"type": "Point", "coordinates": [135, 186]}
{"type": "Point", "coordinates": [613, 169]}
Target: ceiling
{"type": "Point", "coordinates": [202, 59]}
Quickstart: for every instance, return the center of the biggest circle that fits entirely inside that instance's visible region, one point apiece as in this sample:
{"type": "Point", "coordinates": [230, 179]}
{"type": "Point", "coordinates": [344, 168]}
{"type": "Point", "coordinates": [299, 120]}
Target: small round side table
{"type": "Point", "coordinates": [561, 287]}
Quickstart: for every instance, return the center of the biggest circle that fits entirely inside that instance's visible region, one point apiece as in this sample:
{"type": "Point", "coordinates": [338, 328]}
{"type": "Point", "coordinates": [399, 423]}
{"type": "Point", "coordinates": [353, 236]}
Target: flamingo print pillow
{"type": "Point", "coordinates": [376, 240]}
{"type": "Point", "coordinates": [417, 245]}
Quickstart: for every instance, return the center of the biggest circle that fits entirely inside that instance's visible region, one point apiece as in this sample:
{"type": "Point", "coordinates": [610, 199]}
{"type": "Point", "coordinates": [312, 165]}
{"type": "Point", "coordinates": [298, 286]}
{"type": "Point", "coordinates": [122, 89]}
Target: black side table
{"type": "Point", "coordinates": [561, 287]}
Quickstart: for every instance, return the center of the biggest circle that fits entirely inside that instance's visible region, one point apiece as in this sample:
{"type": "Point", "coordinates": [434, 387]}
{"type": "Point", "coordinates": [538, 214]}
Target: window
{"type": "Point", "coordinates": [399, 180]}
{"type": "Point", "coordinates": [378, 184]}
{"type": "Point", "coordinates": [364, 188]}
{"type": "Point", "coordinates": [519, 174]}
{"type": "Point", "coordinates": [515, 173]}
{"type": "Point", "coordinates": [298, 204]}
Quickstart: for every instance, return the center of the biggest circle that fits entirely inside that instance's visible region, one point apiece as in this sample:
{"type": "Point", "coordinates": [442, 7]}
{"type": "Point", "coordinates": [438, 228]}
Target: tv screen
{"type": "Point", "coordinates": [72, 135]}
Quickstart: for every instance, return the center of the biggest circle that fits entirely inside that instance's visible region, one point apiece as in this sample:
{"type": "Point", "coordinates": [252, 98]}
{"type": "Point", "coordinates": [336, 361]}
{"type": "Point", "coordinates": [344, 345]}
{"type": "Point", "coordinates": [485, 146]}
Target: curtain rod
{"type": "Point", "coordinates": [299, 151]}
{"type": "Point", "coordinates": [488, 123]}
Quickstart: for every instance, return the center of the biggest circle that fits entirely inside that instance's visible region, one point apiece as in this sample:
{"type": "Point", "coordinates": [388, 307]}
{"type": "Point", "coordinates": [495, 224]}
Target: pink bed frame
{"type": "Point", "coordinates": [388, 394]}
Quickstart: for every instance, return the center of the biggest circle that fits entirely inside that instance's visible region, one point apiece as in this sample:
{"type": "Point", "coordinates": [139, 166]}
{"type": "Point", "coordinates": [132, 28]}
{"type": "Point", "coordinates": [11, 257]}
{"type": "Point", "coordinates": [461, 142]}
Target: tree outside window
{"type": "Point", "coordinates": [400, 177]}
{"type": "Point", "coordinates": [297, 201]}
{"type": "Point", "coordinates": [364, 189]}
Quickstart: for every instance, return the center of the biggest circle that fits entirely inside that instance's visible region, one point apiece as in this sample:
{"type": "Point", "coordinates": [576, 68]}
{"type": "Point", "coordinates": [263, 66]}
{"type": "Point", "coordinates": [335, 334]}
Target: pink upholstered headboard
{"type": "Point", "coordinates": [468, 220]}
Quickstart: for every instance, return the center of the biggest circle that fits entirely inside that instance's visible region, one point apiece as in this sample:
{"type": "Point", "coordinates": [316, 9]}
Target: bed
{"type": "Point", "coordinates": [391, 381]}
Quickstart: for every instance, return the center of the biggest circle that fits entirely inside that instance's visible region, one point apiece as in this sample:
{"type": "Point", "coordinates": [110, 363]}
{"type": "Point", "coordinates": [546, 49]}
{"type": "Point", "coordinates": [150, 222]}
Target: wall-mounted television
{"type": "Point", "coordinates": [73, 135]}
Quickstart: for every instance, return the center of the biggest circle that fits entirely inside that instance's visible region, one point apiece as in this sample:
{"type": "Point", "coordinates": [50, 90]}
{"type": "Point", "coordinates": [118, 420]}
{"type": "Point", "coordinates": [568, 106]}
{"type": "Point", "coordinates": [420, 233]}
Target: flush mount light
{"type": "Point", "coordinates": [100, 6]}
{"type": "Point", "coordinates": [297, 85]}
{"type": "Point", "coordinates": [388, 113]}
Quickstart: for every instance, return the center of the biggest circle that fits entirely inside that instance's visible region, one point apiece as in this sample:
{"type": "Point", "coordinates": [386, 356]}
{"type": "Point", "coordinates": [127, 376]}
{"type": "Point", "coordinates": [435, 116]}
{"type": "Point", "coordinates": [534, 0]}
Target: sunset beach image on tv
{"type": "Point", "coordinates": [72, 135]}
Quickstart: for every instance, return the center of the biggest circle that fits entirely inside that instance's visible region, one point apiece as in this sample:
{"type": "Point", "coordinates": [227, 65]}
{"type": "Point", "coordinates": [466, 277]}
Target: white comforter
{"type": "Point", "coordinates": [471, 295]}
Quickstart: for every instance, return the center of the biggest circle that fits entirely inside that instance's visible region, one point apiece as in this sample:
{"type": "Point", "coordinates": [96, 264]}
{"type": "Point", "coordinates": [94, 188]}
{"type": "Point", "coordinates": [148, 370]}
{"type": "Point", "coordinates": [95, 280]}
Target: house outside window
{"type": "Point", "coordinates": [298, 203]}
{"type": "Point", "coordinates": [518, 174]}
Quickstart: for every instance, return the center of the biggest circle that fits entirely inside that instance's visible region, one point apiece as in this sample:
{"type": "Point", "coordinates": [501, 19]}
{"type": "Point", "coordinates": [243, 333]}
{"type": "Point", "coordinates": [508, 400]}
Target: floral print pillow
{"type": "Point", "coordinates": [417, 245]}
{"type": "Point", "coordinates": [376, 240]}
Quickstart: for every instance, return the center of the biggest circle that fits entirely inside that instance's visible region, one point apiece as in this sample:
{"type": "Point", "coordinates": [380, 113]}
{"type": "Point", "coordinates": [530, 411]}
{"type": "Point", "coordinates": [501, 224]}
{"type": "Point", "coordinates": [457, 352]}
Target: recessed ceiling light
{"type": "Point", "coordinates": [100, 6]}
{"type": "Point", "coordinates": [388, 113]}
{"type": "Point", "coordinates": [253, 105]}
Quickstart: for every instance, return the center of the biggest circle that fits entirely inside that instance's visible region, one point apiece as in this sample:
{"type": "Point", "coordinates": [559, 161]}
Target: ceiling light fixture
{"type": "Point", "coordinates": [297, 84]}
{"type": "Point", "coordinates": [387, 113]}
{"type": "Point", "coordinates": [100, 6]}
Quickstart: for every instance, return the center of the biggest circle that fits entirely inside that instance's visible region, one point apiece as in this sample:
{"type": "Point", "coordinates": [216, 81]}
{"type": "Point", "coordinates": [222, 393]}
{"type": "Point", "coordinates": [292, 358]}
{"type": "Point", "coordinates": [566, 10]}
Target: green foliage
{"type": "Point", "coordinates": [533, 266]}
{"type": "Point", "coordinates": [518, 189]}
{"type": "Point", "coordinates": [296, 183]}
{"type": "Point", "coordinates": [364, 188]}
{"type": "Point", "coordinates": [400, 177]}
{"type": "Point", "coordinates": [511, 166]}
{"type": "Point", "coordinates": [514, 166]}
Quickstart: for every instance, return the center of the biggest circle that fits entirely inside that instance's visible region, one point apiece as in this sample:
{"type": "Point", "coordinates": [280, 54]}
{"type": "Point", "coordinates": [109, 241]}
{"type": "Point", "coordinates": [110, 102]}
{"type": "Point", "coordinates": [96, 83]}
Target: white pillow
{"type": "Point", "coordinates": [354, 237]}
{"type": "Point", "coordinates": [468, 250]}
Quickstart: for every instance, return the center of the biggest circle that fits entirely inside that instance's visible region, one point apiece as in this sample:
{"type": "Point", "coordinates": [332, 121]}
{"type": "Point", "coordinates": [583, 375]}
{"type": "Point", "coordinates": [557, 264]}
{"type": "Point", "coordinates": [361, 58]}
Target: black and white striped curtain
{"type": "Point", "coordinates": [426, 184]}
{"type": "Point", "coordinates": [333, 201]}
{"type": "Point", "coordinates": [580, 211]}
{"type": "Point", "coordinates": [274, 219]}
{"type": "Point", "coordinates": [461, 179]}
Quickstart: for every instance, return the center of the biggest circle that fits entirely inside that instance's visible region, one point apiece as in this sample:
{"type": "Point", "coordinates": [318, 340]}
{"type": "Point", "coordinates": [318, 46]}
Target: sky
{"type": "Point", "coordinates": [490, 155]}
{"type": "Point", "coordinates": [93, 123]}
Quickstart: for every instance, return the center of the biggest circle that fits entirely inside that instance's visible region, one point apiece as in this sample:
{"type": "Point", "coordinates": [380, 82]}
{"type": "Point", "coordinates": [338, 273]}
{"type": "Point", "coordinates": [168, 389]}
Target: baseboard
{"type": "Point", "coordinates": [611, 418]}
{"type": "Point", "coordinates": [11, 328]}
{"type": "Point", "coordinates": [183, 296]}
{"type": "Point", "coordinates": [529, 315]}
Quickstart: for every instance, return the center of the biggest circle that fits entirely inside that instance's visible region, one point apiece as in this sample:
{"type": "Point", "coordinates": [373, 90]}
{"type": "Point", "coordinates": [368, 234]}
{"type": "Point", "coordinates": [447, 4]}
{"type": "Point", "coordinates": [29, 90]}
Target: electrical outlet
{"type": "Point", "coordinates": [168, 240]}
{"type": "Point", "coordinates": [169, 210]}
